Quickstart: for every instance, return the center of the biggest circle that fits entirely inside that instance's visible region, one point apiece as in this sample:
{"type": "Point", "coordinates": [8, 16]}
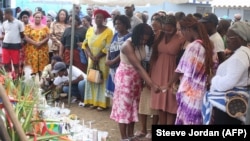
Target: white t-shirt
{"type": "Point", "coordinates": [60, 80]}
{"type": "Point", "coordinates": [75, 73]}
{"type": "Point", "coordinates": [218, 42]}
{"type": "Point", "coordinates": [12, 31]}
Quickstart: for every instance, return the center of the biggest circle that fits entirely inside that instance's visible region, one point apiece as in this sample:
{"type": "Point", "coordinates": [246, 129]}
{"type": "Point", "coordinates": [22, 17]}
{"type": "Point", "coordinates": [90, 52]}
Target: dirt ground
{"type": "Point", "coordinates": [101, 121]}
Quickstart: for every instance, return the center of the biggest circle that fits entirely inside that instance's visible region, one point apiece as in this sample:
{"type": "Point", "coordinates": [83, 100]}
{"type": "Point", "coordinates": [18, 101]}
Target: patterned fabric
{"type": "Point", "coordinates": [110, 87]}
{"type": "Point", "coordinates": [114, 51]}
{"type": "Point", "coordinates": [192, 85]}
{"type": "Point", "coordinates": [56, 32]}
{"type": "Point", "coordinates": [218, 99]}
{"type": "Point", "coordinates": [37, 58]}
{"type": "Point", "coordinates": [126, 94]}
{"type": "Point", "coordinates": [76, 59]}
{"type": "Point", "coordinates": [95, 93]}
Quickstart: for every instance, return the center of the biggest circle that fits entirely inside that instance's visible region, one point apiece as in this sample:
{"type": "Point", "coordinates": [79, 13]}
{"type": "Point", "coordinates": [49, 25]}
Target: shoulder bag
{"type": "Point", "coordinates": [236, 101]}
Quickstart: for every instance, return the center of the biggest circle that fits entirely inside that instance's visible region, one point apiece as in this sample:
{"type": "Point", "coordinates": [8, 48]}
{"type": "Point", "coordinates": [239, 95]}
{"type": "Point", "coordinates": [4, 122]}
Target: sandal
{"type": "Point", "coordinates": [148, 136]}
{"type": "Point", "coordinates": [100, 109]}
{"type": "Point", "coordinates": [125, 140]}
{"type": "Point", "coordinates": [134, 138]}
{"type": "Point", "coordinates": [139, 134]}
{"type": "Point", "coordinates": [92, 107]}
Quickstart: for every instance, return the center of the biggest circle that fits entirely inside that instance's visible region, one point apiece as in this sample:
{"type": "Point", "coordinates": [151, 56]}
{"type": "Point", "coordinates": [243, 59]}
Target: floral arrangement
{"type": "Point", "coordinates": [25, 98]}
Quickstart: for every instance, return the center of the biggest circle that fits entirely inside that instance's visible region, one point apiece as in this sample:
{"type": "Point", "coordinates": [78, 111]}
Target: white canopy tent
{"type": "Point", "coordinates": [118, 2]}
{"type": "Point", "coordinates": [230, 3]}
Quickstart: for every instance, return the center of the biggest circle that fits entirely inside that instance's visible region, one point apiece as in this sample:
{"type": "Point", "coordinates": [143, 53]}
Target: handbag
{"type": "Point", "coordinates": [95, 75]}
{"type": "Point", "coordinates": [236, 104]}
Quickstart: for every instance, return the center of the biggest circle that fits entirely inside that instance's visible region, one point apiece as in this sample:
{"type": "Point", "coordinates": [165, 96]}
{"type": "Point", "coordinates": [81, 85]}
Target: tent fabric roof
{"type": "Point", "coordinates": [121, 2]}
{"type": "Point", "coordinates": [188, 1]}
{"type": "Point", "coordinates": [136, 2]}
{"type": "Point", "coordinates": [230, 3]}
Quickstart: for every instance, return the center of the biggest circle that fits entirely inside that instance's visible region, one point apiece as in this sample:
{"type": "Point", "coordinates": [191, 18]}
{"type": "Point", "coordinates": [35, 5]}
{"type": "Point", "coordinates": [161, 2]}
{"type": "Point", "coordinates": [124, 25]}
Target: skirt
{"type": "Point", "coordinates": [145, 103]}
{"type": "Point", "coordinates": [126, 95]}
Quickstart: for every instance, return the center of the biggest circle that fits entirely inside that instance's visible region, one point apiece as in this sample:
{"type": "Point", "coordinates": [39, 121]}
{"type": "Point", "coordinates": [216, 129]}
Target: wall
{"type": "Point", "coordinates": [223, 11]}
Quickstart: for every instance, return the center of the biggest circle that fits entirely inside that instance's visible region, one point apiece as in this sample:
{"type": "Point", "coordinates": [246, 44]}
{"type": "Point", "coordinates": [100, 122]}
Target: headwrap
{"type": "Point", "coordinates": [242, 29]}
{"type": "Point", "coordinates": [103, 12]}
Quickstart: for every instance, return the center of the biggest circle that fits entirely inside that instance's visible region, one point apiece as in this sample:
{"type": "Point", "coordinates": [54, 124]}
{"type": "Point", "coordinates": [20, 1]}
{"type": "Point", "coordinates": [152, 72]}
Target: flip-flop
{"type": "Point", "coordinates": [134, 138]}
{"type": "Point", "coordinates": [148, 136]}
{"type": "Point", "coordinates": [139, 134]}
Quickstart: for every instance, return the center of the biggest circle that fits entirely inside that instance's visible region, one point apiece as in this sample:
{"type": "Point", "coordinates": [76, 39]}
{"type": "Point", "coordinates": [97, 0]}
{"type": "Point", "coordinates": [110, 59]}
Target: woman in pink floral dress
{"type": "Point", "coordinates": [128, 80]}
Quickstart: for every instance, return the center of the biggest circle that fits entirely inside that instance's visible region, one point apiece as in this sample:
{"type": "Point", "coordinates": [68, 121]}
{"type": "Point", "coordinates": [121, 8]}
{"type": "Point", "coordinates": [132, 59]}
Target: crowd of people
{"type": "Point", "coordinates": [167, 66]}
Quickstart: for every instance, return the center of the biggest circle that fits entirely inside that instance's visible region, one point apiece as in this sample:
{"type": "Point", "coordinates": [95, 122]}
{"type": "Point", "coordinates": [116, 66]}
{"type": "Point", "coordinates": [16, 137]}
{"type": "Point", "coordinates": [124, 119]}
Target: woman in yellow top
{"type": "Point", "coordinates": [36, 49]}
{"type": "Point", "coordinates": [97, 40]}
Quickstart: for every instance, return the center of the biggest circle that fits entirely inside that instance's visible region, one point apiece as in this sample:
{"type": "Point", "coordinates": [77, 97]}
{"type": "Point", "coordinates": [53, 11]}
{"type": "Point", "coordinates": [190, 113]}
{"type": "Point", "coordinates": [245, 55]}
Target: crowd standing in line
{"type": "Point", "coordinates": [170, 67]}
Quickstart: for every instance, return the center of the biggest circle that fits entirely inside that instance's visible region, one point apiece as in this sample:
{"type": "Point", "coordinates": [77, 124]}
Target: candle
{"type": "Point", "coordinates": [43, 102]}
{"type": "Point", "coordinates": [95, 135]}
{"type": "Point", "coordinates": [63, 105]}
{"type": "Point", "coordinates": [90, 125]}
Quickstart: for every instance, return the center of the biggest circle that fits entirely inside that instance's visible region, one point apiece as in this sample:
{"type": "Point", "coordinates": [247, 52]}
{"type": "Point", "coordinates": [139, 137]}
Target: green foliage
{"type": "Point", "coordinates": [26, 98]}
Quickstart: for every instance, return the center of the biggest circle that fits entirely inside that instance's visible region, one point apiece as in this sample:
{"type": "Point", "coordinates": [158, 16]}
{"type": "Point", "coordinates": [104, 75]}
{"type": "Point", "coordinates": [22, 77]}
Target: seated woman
{"type": "Point", "coordinates": [233, 74]}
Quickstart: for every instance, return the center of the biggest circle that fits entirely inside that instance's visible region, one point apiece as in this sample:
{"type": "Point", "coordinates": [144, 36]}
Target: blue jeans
{"type": "Point", "coordinates": [77, 90]}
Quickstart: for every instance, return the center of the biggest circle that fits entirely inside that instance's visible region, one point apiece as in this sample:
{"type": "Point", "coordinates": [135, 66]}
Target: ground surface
{"type": "Point", "coordinates": [100, 120]}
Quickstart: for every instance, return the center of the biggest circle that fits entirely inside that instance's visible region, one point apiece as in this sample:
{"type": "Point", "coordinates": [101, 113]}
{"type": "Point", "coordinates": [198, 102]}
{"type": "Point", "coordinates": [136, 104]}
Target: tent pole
{"type": "Point", "coordinates": [71, 52]}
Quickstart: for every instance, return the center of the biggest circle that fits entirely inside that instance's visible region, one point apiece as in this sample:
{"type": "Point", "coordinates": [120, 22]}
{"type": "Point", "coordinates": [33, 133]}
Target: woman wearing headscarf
{"type": "Point", "coordinates": [97, 41]}
{"type": "Point", "coordinates": [232, 74]}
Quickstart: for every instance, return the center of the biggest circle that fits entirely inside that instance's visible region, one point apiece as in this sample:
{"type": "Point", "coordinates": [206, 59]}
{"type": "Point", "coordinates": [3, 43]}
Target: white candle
{"type": "Point", "coordinates": [95, 135]}
{"type": "Point", "coordinates": [43, 102]}
{"type": "Point", "coordinates": [63, 105]}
